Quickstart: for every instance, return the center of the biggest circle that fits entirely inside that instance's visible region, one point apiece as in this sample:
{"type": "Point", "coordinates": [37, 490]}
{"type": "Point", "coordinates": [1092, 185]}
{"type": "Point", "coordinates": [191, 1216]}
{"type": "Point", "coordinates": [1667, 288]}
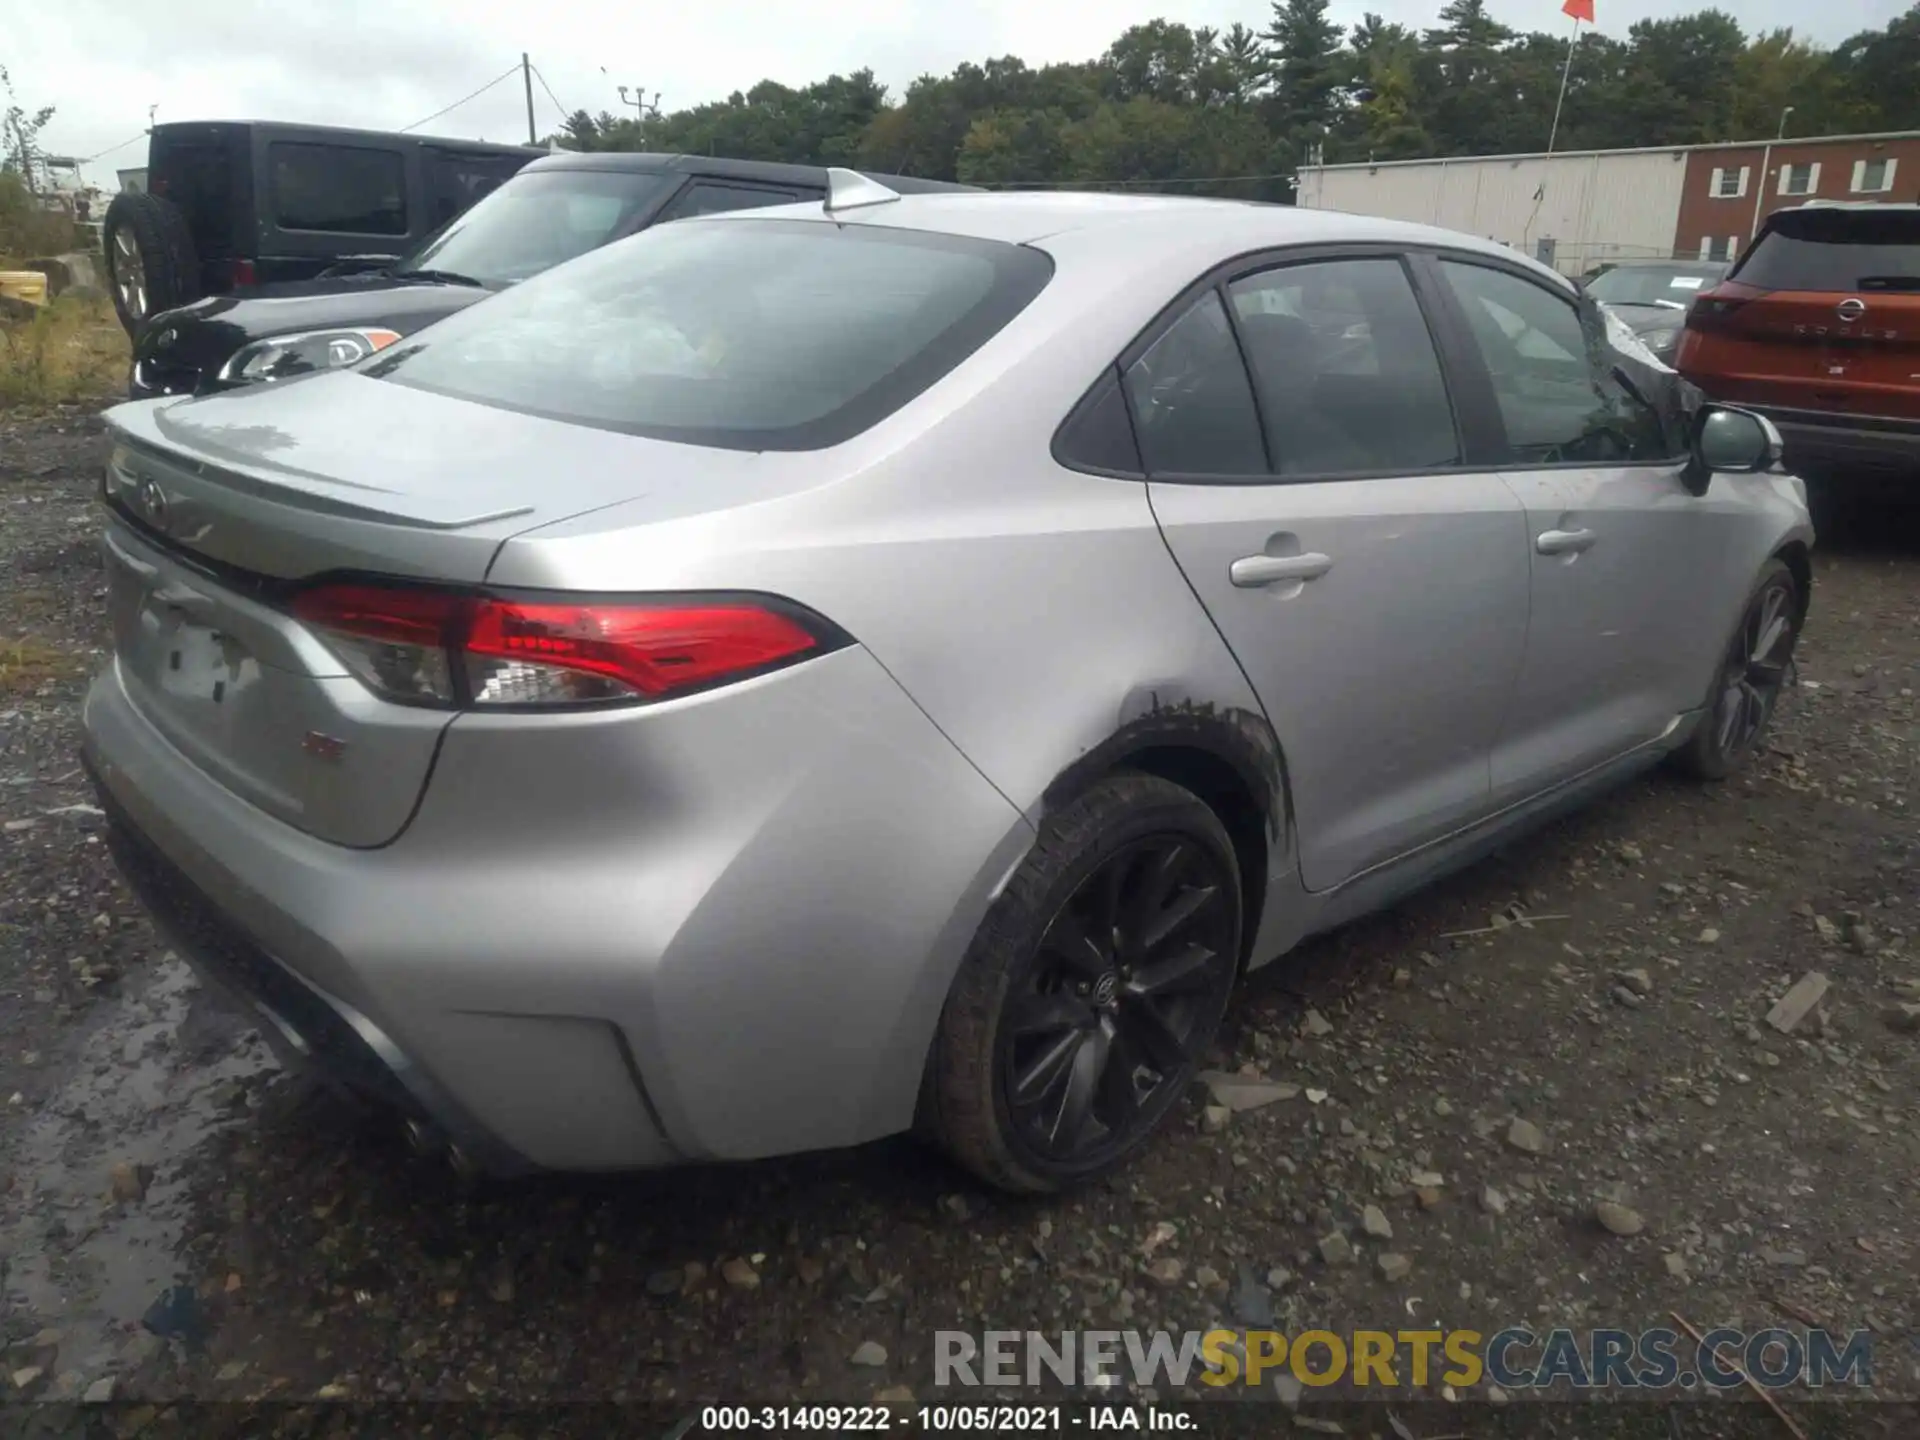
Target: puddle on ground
{"type": "Point", "coordinates": [163, 1068]}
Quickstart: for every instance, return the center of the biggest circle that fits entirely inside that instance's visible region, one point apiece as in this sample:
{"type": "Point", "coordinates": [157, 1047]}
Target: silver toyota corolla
{"type": "Point", "coordinates": [796, 674]}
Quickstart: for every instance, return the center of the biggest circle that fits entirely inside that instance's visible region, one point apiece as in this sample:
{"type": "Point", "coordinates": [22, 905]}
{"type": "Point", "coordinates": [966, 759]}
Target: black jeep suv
{"type": "Point", "coordinates": [231, 204]}
{"type": "Point", "coordinates": [560, 206]}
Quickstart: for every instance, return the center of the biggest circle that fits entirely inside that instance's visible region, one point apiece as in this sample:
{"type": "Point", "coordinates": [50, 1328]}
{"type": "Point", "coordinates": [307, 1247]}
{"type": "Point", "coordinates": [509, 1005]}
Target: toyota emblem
{"type": "Point", "coordinates": [1851, 308]}
{"type": "Point", "coordinates": [153, 504]}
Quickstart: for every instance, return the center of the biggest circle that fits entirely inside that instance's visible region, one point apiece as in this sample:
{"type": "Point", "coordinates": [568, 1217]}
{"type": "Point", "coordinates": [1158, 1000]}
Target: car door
{"type": "Point", "coordinates": [1373, 588]}
{"type": "Point", "coordinates": [1625, 560]}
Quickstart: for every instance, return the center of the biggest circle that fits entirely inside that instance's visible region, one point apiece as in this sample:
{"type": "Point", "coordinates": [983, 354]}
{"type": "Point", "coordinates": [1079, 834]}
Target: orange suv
{"type": "Point", "coordinates": [1818, 327]}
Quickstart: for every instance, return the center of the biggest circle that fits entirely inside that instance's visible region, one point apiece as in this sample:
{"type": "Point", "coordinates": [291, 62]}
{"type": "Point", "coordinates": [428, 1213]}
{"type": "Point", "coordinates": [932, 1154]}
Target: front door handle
{"type": "Point", "coordinates": [1564, 542]}
{"type": "Point", "coordinates": [1250, 572]}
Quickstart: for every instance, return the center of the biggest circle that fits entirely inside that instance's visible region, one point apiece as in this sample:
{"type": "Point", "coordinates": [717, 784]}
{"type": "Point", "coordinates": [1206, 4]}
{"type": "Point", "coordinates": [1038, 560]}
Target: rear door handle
{"type": "Point", "coordinates": [1564, 542]}
{"type": "Point", "coordinates": [1250, 572]}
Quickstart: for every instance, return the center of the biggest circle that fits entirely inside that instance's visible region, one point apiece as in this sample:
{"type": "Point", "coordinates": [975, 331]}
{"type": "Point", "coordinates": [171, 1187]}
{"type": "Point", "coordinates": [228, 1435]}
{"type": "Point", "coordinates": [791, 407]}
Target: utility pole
{"type": "Point", "coordinates": [526, 79]}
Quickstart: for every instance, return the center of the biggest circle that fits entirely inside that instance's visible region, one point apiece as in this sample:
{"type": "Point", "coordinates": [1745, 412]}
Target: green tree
{"type": "Point", "coordinates": [1880, 73]}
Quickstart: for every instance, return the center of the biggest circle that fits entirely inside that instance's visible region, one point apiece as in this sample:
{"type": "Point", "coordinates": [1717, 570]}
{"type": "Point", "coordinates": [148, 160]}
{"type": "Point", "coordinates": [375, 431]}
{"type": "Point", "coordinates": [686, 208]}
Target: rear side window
{"type": "Point", "coordinates": [750, 334]}
{"type": "Point", "coordinates": [1345, 368]}
{"type": "Point", "coordinates": [1192, 406]}
{"type": "Point", "coordinates": [338, 189]}
{"type": "Point", "coordinates": [1847, 250]}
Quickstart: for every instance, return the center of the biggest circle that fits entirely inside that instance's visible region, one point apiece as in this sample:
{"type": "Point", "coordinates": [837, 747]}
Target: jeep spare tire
{"type": "Point", "coordinates": [151, 263]}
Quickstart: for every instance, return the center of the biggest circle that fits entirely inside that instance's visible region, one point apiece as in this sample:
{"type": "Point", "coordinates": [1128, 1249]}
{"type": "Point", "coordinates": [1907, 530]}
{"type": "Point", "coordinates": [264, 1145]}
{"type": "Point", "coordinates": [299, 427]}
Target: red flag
{"type": "Point", "coordinates": [1579, 10]}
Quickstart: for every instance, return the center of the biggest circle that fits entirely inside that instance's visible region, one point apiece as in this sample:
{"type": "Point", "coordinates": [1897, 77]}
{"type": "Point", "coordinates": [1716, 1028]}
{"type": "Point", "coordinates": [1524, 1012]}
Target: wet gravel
{"type": "Point", "coordinates": [1674, 1152]}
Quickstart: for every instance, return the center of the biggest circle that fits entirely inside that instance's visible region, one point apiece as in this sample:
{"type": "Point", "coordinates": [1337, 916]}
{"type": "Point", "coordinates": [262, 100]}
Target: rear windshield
{"type": "Point", "coordinates": [1664, 285]}
{"type": "Point", "coordinates": [536, 220]}
{"type": "Point", "coordinates": [1836, 250]}
{"type": "Point", "coordinates": [743, 333]}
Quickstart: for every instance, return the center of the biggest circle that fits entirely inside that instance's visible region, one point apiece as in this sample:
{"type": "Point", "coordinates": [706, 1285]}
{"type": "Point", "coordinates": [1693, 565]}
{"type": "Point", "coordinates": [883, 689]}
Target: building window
{"type": "Point", "coordinates": [1873, 177]}
{"type": "Point", "coordinates": [1729, 184]}
{"type": "Point", "coordinates": [1719, 247]}
{"type": "Point", "coordinates": [1800, 179]}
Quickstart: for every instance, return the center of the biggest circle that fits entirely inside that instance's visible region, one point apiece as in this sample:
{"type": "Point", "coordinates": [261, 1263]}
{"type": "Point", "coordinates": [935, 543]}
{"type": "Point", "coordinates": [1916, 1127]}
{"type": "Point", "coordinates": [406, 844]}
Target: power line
{"type": "Point", "coordinates": [565, 113]}
{"type": "Point", "coordinates": [111, 148]}
{"type": "Point", "coordinates": [511, 69]}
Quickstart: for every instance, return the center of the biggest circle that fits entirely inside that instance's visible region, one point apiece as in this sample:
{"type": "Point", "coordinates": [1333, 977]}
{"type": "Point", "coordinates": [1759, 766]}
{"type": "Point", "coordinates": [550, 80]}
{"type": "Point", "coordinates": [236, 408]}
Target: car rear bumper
{"type": "Point", "coordinates": [1884, 448]}
{"type": "Point", "coordinates": [718, 928]}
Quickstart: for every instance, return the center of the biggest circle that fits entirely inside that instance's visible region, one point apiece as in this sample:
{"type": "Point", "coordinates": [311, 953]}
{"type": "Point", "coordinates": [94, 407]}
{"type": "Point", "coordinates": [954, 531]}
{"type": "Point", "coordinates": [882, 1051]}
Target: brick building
{"type": "Point", "coordinates": [1574, 209]}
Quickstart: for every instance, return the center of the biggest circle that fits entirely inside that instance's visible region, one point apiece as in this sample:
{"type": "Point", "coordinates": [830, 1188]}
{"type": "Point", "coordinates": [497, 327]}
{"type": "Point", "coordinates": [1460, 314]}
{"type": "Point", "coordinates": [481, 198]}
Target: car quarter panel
{"type": "Point", "coordinates": [1024, 606]}
{"type": "Point", "coordinates": [748, 876]}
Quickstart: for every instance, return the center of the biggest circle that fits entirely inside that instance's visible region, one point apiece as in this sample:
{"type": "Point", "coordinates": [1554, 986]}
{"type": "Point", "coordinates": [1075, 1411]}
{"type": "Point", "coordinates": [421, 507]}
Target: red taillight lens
{"type": "Point", "coordinates": [428, 647]}
{"type": "Point", "coordinates": [645, 650]}
{"type": "Point", "coordinates": [244, 273]}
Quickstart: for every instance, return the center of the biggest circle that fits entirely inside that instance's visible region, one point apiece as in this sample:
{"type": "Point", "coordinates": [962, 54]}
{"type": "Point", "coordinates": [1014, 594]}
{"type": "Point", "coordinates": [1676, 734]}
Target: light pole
{"type": "Point", "coordinates": [638, 100]}
{"type": "Point", "coordinates": [1782, 133]}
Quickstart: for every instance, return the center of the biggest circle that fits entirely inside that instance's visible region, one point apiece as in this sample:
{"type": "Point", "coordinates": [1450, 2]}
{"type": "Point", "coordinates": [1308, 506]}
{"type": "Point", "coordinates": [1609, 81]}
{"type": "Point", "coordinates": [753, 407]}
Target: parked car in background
{"type": "Point", "coordinates": [225, 205]}
{"type": "Point", "coordinates": [1818, 327]}
{"type": "Point", "coordinates": [558, 207]}
{"type": "Point", "coordinates": [1652, 296]}
{"type": "Point", "coordinates": [804, 670]}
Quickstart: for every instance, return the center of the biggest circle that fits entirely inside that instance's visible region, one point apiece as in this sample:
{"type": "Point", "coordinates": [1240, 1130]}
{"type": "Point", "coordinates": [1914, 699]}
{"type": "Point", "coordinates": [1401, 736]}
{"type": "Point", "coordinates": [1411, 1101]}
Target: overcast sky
{"type": "Point", "coordinates": [384, 64]}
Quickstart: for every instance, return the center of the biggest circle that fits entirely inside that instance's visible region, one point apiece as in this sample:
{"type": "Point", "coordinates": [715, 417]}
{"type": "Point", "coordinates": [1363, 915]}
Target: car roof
{"type": "Point", "coordinates": [1173, 228]}
{"type": "Point", "coordinates": [290, 129]}
{"type": "Point", "coordinates": [768, 171]}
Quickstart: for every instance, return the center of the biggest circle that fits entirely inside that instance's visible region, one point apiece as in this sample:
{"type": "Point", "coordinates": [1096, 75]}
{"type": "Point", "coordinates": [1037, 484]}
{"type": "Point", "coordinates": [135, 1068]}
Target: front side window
{"type": "Point", "coordinates": [536, 220]}
{"type": "Point", "coordinates": [338, 189]}
{"type": "Point", "coordinates": [1553, 380]}
{"type": "Point", "coordinates": [1345, 368]}
{"type": "Point", "coordinates": [1193, 408]}
{"type": "Point", "coordinates": [747, 334]}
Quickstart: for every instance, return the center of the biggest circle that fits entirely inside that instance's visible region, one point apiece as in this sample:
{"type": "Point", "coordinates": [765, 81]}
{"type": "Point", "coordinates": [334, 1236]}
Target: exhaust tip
{"type": "Point", "coordinates": [422, 1138]}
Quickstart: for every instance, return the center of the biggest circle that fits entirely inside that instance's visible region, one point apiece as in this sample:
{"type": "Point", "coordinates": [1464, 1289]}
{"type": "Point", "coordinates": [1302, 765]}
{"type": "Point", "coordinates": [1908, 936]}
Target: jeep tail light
{"type": "Point", "coordinates": [429, 647]}
{"type": "Point", "coordinates": [244, 273]}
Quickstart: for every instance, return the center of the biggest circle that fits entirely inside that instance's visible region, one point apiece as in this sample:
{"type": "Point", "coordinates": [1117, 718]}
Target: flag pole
{"type": "Point", "coordinates": [1565, 71]}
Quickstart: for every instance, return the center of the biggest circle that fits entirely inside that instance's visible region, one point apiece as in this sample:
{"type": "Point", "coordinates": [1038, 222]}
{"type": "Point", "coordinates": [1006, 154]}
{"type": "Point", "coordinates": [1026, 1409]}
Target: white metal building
{"type": "Point", "coordinates": [1575, 209]}
{"type": "Point", "coordinates": [1571, 210]}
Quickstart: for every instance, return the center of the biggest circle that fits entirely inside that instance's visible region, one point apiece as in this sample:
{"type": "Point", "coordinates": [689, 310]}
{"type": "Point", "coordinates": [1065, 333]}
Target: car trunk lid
{"type": "Point", "coordinates": [223, 509]}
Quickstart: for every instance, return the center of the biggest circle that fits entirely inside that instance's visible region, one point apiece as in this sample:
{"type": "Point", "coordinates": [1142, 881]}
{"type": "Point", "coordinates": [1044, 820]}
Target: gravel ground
{"type": "Point", "coordinates": [1613, 1002]}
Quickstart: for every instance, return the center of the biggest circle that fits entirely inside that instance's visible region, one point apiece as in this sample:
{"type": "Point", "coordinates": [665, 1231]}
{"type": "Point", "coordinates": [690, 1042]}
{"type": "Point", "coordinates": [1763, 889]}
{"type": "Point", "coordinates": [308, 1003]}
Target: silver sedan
{"type": "Point", "coordinates": [795, 675]}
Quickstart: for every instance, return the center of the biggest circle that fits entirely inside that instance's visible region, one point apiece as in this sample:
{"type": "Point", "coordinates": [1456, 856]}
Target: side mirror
{"type": "Point", "coordinates": [1732, 442]}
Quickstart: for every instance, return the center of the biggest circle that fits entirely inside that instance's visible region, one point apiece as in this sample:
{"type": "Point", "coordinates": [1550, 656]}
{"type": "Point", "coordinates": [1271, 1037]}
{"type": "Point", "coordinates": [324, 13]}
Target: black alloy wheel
{"type": "Point", "coordinates": [1092, 990]}
{"type": "Point", "coordinates": [1753, 672]}
{"type": "Point", "coordinates": [1135, 966]}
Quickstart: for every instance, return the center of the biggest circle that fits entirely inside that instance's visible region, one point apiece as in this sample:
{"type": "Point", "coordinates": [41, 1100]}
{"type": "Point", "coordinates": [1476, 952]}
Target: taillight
{"type": "Point", "coordinates": [428, 647]}
{"type": "Point", "coordinates": [1712, 309]}
{"type": "Point", "coordinates": [244, 273]}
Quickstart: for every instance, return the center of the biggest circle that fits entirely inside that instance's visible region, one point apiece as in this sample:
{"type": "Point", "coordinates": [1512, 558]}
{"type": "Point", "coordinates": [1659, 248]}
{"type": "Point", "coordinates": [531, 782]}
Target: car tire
{"type": "Point", "coordinates": [151, 262]}
{"type": "Point", "coordinates": [1150, 865]}
{"type": "Point", "coordinates": [1752, 672]}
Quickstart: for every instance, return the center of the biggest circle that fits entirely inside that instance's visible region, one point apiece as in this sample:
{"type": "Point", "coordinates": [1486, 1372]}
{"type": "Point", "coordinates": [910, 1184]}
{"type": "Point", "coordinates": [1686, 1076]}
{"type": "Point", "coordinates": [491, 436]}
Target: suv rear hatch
{"type": "Point", "coordinates": [1821, 315]}
{"type": "Point", "coordinates": [223, 510]}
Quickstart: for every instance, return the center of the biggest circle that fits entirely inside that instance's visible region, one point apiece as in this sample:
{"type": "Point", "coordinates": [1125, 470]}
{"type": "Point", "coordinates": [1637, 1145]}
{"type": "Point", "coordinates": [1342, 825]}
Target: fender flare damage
{"type": "Point", "coordinates": [1152, 732]}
